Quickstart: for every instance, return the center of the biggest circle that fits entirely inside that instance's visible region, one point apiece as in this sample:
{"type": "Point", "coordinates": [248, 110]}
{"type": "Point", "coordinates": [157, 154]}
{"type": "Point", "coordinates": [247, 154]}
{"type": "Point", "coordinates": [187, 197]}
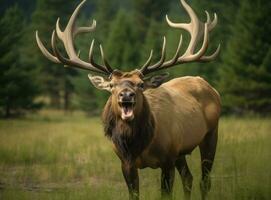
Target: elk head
{"type": "Point", "coordinates": [127, 87]}
{"type": "Point", "coordinates": [127, 90]}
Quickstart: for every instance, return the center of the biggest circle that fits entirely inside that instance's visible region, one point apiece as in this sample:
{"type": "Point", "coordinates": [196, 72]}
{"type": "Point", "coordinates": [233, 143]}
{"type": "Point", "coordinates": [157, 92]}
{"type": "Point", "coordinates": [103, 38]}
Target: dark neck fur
{"type": "Point", "coordinates": [130, 138]}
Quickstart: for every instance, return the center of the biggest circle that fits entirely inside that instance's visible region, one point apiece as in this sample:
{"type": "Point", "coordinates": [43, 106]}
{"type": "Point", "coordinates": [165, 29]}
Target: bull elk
{"type": "Point", "coordinates": [151, 123]}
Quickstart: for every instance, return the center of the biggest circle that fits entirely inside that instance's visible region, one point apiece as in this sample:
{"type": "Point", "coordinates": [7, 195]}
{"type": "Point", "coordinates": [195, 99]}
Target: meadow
{"type": "Point", "coordinates": [55, 155]}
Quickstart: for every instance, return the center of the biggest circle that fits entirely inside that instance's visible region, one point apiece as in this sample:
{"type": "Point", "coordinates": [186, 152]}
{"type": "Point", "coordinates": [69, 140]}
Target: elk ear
{"type": "Point", "coordinates": [155, 81]}
{"type": "Point", "coordinates": [99, 82]}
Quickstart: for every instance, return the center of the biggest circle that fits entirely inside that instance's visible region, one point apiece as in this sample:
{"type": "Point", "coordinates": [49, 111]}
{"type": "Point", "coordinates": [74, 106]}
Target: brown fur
{"type": "Point", "coordinates": [170, 121]}
{"type": "Point", "coordinates": [185, 109]}
{"type": "Point", "coordinates": [129, 138]}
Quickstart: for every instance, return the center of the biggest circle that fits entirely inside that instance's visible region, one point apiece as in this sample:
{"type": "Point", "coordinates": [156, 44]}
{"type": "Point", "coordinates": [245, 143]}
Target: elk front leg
{"type": "Point", "coordinates": [167, 180]}
{"type": "Point", "coordinates": [131, 177]}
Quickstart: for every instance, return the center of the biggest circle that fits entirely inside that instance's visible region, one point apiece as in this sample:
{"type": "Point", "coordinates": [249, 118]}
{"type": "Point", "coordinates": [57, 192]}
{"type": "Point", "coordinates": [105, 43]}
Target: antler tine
{"type": "Point", "coordinates": [177, 25]}
{"type": "Point", "coordinates": [44, 51]}
{"type": "Point", "coordinates": [80, 30]}
{"type": "Point", "coordinates": [70, 62]}
{"type": "Point", "coordinates": [91, 59]}
{"type": "Point", "coordinates": [208, 17]}
{"type": "Point", "coordinates": [79, 53]}
{"type": "Point", "coordinates": [163, 56]}
{"type": "Point", "coordinates": [108, 67]}
{"type": "Point", "coordinates": [211, 57]}
{"type": "Point", "coordinates": [59, 33]}
{"type": "Point", "coordinates": [56, 51]}
{"type": "Point", "coordinates": [191, 13]}
{"type": "Point", "coordinates": [90, 55]}
{"type": "Point", "coordinates": [71, 24]}
{"type": "Point", "coordinates": [147, 68]}
{"type": "Point", "coordinates": [213, 23]}
{"type": "Point", "coordinates": [189, 56]}
{"type": "Point", "coordinates": [197, 30]}
{"type": "Point", "coordinates": [176, 56]}
{"type": "Point", "coordinates": [147, 64]}
{"type": "Point", "coordinates": [67, 36]}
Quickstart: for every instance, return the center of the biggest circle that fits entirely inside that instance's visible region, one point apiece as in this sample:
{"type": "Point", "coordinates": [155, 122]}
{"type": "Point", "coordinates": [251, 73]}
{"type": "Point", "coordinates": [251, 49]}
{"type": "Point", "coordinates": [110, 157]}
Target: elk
{"type": "Point", "coordinates": [152, 123]}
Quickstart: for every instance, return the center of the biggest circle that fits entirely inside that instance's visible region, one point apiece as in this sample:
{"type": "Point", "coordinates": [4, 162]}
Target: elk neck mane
{"type": "Point", "coordinates": [130, 138]}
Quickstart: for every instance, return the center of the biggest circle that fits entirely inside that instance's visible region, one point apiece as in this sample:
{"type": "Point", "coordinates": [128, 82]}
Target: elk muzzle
{"type": "Point", "coordinates": [126, 100]}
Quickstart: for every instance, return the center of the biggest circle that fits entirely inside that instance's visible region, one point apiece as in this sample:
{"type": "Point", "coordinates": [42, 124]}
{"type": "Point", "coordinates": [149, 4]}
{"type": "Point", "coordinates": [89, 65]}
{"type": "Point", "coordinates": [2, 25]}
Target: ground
{"type": "Point", "coordinates": [54, 155]}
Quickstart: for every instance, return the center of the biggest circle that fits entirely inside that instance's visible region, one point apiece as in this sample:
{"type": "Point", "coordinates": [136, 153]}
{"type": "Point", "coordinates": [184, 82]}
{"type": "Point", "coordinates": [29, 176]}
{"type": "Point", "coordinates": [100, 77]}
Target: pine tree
{"type": "Point", "coordinates": [153, 41]}
{"type": "Point", "coordinates": [226, 13]}
{"type": "Point", "coordinates": [18, 82]}
{"type": "Point", "coordinates": [26, 6]}
{"type": "Point", "coordinates": [245, 81]}
{"type": "Point", "coordinates": [56, 79]}
{"type": "Point", "coordinates": [87, 97]}
{"type": "Point", "coordinates": [121, 46]}
{"type": "Point", "coordinates": [148, 10]}
{"type": "Point", "coordinates": [104, 14]}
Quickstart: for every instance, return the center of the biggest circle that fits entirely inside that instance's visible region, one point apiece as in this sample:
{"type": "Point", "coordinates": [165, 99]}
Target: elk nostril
{"type": "Point", "coordinates": [126, 95]}
{"type": "Point", "coordinates": [121, 94]}
{"type": "Point", "coordinates": [131, 94]}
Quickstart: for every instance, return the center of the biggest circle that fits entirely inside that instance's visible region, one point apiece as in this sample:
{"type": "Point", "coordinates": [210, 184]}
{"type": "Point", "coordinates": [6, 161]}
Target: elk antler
{"type": "Point", "coordinates": [196, 29]}
{"type": "Point", "coordinates": [67, 37]}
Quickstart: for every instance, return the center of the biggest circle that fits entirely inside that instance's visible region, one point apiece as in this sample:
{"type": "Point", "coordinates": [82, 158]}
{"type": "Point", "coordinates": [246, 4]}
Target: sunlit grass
{"type": "Point", "coordinates": [55, 155]}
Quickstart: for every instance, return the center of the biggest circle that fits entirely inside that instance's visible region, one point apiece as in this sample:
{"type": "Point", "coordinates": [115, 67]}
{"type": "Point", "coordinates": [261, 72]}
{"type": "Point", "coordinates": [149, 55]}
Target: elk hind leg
{"type": "Point", "coordinates": [207, 152]}
{"type": "Point", "coordinates": [186, 176]}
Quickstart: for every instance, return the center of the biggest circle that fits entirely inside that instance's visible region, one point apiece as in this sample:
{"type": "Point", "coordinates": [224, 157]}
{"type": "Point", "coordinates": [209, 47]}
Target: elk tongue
{"type": "Point", "coordinates": [127, 112]}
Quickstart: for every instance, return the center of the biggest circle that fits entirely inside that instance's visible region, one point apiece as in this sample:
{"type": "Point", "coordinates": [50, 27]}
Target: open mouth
{"type": "Point", "coordinates": [127, 110]}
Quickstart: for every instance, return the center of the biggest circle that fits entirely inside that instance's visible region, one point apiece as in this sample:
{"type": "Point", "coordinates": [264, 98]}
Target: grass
{"type": "Point", "coordinates": [52, 155]}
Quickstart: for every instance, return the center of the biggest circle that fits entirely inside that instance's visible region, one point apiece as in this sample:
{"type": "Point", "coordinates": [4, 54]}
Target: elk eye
{"type": "Point", "coordinates": [111, 85]}
{"type": "Point", "coordinates": [140, 85]}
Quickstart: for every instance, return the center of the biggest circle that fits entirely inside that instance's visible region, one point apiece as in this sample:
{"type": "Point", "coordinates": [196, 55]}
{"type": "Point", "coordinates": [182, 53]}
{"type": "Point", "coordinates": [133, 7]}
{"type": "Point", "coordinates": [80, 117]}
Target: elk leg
{"type": "Point", "coordinates": [167, 180]}
{"type": "Point", "coordinates": [131, 177]}
{"type": "Point", "coordinates": [207, 153]}
{"type": "Point", "coordinates": [186, 176]}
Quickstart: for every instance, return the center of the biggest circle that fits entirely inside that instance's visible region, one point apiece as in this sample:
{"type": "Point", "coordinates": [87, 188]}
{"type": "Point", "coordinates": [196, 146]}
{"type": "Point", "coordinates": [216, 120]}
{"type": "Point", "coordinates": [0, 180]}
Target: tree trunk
{"type": "Point", "coordinates": [7, 111]}
{"type": "Point", "coordinates": [66, 99]}
{"type": "Point", "coordinates": [68, 89]}
{"type": "Point", "coordinates": [55, 100]}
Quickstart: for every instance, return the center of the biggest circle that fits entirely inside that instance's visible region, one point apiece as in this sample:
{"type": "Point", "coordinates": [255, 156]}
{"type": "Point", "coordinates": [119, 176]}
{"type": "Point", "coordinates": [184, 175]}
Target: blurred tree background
{"type": "Point", "coordinates": [128, 30]}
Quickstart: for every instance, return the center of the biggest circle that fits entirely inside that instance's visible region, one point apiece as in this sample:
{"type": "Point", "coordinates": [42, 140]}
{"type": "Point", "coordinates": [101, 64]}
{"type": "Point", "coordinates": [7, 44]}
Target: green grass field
{"type": "Point", "coordinates": [52, 155]}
